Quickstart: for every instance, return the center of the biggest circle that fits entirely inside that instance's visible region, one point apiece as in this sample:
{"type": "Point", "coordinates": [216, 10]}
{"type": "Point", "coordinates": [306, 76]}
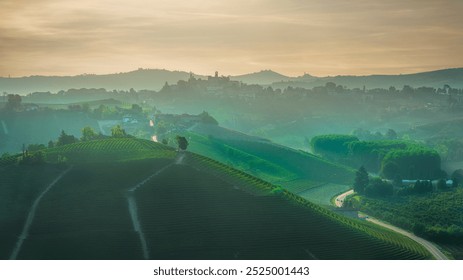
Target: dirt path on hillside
{"type": "Point", "coordinates": [133, 209]}
{"type": "Point", "coordinates": [340, 198]}
{"type": "Point", "coordinates": [31, 215]}
{"type": "Point", "coordinates": [426, 244]}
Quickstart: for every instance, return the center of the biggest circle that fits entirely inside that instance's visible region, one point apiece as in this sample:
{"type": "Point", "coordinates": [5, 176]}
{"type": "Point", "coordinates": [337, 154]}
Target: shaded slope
{"type": "Point", "coordinates": [198, 210]}
{"type": "Point", "coordinates": [19, 187]}
{"type": "Point", "coordinates": [189, 214]}
{"type": "Point", "coordinates": [85, 215]}
{"type": "Point", "coordinates": [273, 162]}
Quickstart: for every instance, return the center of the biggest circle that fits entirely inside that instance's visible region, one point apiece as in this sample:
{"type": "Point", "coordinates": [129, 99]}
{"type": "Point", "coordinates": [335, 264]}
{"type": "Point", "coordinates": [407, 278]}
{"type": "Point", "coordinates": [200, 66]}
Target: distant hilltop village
{"type": "Point", "coordinates": [216, 78]}
{"type": "Point", "coordinates": [214, 85]}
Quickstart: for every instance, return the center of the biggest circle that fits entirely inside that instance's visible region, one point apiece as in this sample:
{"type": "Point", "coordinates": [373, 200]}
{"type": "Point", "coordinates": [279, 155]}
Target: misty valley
{"type": "Point", "coordinates": [154, 164]}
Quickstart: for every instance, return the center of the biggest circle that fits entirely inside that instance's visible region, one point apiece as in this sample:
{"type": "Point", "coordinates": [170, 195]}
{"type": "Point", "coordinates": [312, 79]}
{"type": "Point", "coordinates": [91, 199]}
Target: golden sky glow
{"type": "Point", "coordinates": [320, 37]}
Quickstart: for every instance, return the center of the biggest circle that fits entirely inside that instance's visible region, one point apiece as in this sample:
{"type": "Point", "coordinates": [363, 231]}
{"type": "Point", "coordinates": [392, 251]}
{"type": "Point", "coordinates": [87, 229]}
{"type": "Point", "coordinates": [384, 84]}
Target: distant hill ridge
{"type": "Point", "coordinates": [154, 79]}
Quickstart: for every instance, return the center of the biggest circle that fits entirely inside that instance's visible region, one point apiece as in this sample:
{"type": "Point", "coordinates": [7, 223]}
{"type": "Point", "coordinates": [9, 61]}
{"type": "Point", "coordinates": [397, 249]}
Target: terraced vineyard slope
{"type": "Point", "coordinates": [134, 199]}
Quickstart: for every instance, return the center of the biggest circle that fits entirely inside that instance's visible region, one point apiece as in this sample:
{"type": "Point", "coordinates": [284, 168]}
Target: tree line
{"type": "Point", "coordinates": [390, 158]}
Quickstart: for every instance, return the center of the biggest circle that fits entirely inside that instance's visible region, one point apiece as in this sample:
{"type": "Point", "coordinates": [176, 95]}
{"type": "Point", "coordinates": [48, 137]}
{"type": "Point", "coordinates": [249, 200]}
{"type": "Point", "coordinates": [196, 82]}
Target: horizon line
{"type": "Point", "coordinates": [234, 75]}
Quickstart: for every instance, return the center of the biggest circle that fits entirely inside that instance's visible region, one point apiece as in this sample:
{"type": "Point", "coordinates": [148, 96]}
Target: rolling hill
{"type": "Point", "coordinates": [140, 79]}
{"type": "Point", "coordinates": [133, 199]}
{"type": "Point", "coordinates": [437, 79]}
{"type": "Point", "coordinates": [294, 170]}
{"type": "Point", "coordinates": [264, 77]}
{"type": "Point", "coordinates": [154, 79]}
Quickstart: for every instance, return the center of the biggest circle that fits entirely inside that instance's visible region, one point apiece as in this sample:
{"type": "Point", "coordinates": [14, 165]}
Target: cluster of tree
{"type": "Point", "coordinates": [449, 148]}
{"type": "Point", "coordinates": [65, 139]}
{"type": "Point", "coordinates": [75, 95]}
{"type": "Point", "coordinates": [332, 144]}
{"type": "Point", "coordinates": [391, 158]}
{"type": "Point", "coordinates": [13, 103]}
{"type": "Point", "coordinates": [36, 147]}
{"type": "Point", "coordinates": [199, 86]}
{"type": "Point", "coordinates": [420, 187]}
{"type": "Point", "coordinates": [371, 187]}
{"type": "Point", "coordinates": [35, 158]}
{"type": "Point", "coordinates": [77, 107]}
{"type": "Point", "coordinates": [341, 145]}
{"type": "Point", "coordinates": [371, 153]}
{"type": "Point", "coordinates": [413, 162]}
{"type": "Point", "coordinates": [116, 112]}
{"type": "Point", "coordinates": [435, 216]}
{"type": "Point", "coordinates": [426, 186]}
{"type": "Point", "coordinates": [452, 234]}
{"type": "Point", "coordinates": [291, 89]}
{"type": "Point", "coordinates": [379, 187]}
{"type": "Point", "coordinates": [118, 132]}
{"type": "Point", "coordinates": [88, 134]}
{"type": "Point", "coordinates": [33, 154]}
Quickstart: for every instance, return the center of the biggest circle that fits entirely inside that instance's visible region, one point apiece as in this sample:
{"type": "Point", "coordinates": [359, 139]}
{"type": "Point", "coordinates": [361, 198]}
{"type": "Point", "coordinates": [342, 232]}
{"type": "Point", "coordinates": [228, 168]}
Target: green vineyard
{"type": "Point", "coordinates": [18, 189]}
{"type": "Point", "coordinates": [185, 206]}
{"type": "Point", "coordinates": [202, 217]}
{"type": "Point", "coordinates": [234, 176]}
{"type": "Point", "coordinates": [122, 149]}
{"type": "Point", "coordinates": [85, 215]}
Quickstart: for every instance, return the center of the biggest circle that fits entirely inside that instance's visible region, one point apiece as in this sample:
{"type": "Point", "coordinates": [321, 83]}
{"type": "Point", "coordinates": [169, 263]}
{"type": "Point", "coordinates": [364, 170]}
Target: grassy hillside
{"type": "Point", "coordinates": [188, 207]}
{"type": "Point", "coordinates": [294, 170]}
{"type": "Point", "coordinates": [237, 158]}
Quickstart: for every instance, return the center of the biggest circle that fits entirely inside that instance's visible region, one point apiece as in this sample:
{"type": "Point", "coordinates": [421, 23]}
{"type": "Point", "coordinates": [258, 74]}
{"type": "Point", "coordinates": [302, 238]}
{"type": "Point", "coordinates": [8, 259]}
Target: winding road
{"type": "Point", "coordinates": [426, 244]}
{"type": "Point", "coordinates": [340, 198]}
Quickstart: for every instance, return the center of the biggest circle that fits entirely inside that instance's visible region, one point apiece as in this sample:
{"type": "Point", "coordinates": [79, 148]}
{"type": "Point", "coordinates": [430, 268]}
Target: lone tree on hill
{"type": "Point", "coordinates": [88, 134]}
{"type": "Point", "coordinates": [65, 139]}
{"type": "Point", "coordinates": [361, 180]}
{"type": "Point", "coordinates": [118, 132]}
{"type": "Point", "coordinates": [182, 142]}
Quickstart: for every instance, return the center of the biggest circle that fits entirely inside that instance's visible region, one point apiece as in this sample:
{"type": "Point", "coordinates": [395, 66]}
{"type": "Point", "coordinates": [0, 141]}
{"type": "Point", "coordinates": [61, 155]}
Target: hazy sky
{"type": "Point", "coordinates": [320, 37]}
